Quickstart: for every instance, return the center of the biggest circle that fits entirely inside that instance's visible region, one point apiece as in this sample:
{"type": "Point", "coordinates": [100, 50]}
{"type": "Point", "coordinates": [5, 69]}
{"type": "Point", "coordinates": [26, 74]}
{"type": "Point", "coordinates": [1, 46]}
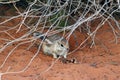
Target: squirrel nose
{"type": "Point", "coordinates": [67, 49]}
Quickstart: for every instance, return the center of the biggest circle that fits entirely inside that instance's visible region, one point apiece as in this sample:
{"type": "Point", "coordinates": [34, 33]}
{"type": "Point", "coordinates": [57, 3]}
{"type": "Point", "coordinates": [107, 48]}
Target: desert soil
{"type": "Point", "coordinates": [101, 62]}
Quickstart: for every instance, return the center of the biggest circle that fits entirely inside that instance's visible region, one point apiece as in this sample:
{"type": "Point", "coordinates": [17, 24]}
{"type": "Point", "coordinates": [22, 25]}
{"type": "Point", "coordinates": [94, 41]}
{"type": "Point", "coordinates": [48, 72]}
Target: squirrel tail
{"type": "Point", "coordinates": [39, 35]}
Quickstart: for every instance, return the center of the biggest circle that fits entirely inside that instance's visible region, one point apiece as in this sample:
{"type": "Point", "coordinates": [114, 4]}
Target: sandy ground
{"type": "Point", "coordinates": [101, 62]}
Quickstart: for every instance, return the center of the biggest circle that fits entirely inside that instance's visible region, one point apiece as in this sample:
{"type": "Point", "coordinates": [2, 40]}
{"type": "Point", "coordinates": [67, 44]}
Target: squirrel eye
{"type": "Point", "coordinates": [61, 45]}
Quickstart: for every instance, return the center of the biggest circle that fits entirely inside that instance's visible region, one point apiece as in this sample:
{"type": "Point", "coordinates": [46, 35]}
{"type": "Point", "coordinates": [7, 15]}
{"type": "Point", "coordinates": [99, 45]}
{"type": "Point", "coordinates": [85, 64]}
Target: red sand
{"type": "Point", "coordinates": [102, 62]}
